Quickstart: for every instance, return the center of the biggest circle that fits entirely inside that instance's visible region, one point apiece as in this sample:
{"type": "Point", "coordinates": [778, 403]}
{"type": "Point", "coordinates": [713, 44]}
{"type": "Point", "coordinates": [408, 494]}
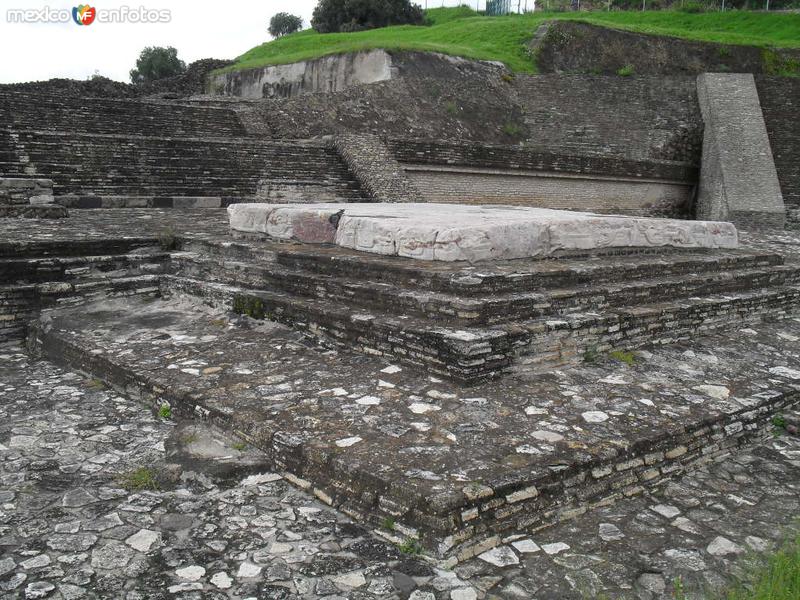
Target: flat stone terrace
{"type": "Point", "coordinates": [73, 529]}
{"type": "Point", "coordinates": [459, 468]}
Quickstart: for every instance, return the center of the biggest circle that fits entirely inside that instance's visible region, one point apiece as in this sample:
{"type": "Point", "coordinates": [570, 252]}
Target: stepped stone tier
{"type": "Point", "coordinates": [448, 232]}
{"type": "Point", "coordinates": [197, 320]}
{"type": "Point", "coordinates": [28, 198]}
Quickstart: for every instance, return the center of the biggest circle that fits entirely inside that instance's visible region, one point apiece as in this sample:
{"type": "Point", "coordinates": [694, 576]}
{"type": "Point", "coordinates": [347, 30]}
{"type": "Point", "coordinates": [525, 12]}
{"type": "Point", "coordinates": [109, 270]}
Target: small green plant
{"type": "Point", "coordinates": [779, 421]}
{"type": "Point", "coordinates": [189, 439]}
{"type": "Point", "coordinates": [240, 446]}
{"type": "Point", "coordinates": [591, 355]}
{"type": "Point", "coordinates": [140, 479]}
{"type": "Point", "coordinates": [511, 129]}
{"type": "Point", "coordinates": [388, 524]}
{"type": "Point", "coordinates": [623, 356]}
{"type": "Point", "coordinates": [677, 589]}
{"type": "Point", "coordinates": [167, 239]}
{"type": "Point", "coordinates": [507, 77]}
{"type": "Point", "coordinates": [410, 546]}
{"type": "Point", "coordinates": [451, 108]}
{"type": "Point", "coordinates": [250, 306]}
{"type": "Point", "coordinates": [723, 51]}
{"type": "Point", "coordinates": [96, 384]}
{"type": "Point", "coordinates": [625, 71]}
{"type": "Point", "coordinates": [165, 411]}
{"type": "Point", "coordinates": [774, 576]}
{"type": "Point", "coordinates": [775, 64]}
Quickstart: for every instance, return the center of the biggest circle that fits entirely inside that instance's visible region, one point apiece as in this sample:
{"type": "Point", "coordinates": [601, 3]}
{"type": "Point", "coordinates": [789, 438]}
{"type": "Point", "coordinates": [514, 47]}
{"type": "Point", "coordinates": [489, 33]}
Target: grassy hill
{"type": "Point", "coordinates": [462, 32]}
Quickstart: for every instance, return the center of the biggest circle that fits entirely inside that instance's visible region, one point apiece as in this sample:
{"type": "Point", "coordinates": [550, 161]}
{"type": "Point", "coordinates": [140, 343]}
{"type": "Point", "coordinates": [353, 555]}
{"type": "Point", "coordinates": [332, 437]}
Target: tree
{"type": "Point", "coordinates": [283, 24]}
{"type": "Point", "coordinates": [157, 63]}
{"type": "Point", "coordinates": [354, 15]}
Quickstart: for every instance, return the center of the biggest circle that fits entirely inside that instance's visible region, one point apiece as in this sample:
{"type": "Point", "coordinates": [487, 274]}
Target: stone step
{"type": "Point", "coordinates": [403, 298]}
{"type": "Point", "coordinates": [21, 303]}
{"type": "Point", "coordinates": [148, 166]}
{"type": "Point", "coordinates": [471, 354]}
{"type": "Point", "coordinates": [99, 115]}
{"type": "Point", "coordinates": [70, 268]}
{"type": "Point", "coordinates": [459, 469]}
{"type": "Point", "coordinates": [484, 279]}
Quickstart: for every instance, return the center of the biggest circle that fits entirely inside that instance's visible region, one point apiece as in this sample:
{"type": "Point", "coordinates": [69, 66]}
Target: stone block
{"type": "Point", "coordinates": [738, 180]}
{"type": "Point", "coordinates": [446, 232]}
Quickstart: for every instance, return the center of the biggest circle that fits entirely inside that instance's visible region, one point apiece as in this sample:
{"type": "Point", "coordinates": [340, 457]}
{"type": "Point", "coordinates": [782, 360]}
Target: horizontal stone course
{"type": "Point", "coordinates": [156, 167]}
{"type": "Point", "coordinates": [51, 112]}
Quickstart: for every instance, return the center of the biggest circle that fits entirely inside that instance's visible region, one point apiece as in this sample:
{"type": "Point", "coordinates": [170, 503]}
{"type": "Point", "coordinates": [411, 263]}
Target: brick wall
{"type": "Point", "coordinates": [780, 105]}
{"type": "Point", "coordinates": [634, 117]}
{"type": "Point", "coordinates": [482, 174]}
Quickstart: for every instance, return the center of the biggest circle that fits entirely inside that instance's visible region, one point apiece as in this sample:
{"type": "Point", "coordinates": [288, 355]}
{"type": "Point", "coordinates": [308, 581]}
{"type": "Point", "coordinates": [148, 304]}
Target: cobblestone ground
{"type": "Point", "coordinates": [221, 526]}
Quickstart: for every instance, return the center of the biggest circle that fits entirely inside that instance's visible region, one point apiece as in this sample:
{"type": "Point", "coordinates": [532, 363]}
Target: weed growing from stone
{"type": "Point", "coordinates": [388, 524]}
{"type": "Point", "coordinates": [511, 129]}
{"type": "Point", "coordinates": [623, 356]}
{"type": "Point", "coordinates": [165, 411]}
{"type": "Point", "coordinates": [591, 355]}
{"type": "Point", "coordinates": [96, 384]}
{"type": "Point", "coordinates": [140, 479]}
{"type": "Point", "coordinates": [189, 439]}
{"type": "Point", "coordinates": [625, 71]}
{"type": "Point", "coordinates": [167, 240]}
{"type": "Point", "coordinates": [775, 576]}
{"type": "Point", "coordinates": [240, 446]}
{"type": "Point", "coordinates": [410, 546]}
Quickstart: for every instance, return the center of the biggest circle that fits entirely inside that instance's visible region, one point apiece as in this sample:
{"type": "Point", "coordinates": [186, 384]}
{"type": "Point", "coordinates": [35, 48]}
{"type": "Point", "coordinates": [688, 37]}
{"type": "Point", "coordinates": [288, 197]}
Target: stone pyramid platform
{"type": "Point", "coordinates": [574, 417]}
{"type": "Point", "coordinates": [459, 469]}
{"type": "Point", "coordinates": [618, 282]}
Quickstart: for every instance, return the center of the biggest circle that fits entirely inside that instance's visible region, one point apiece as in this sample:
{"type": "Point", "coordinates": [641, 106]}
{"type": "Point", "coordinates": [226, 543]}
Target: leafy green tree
{"type": "Point", "coordinates": [283, 24]}
{"type": "Point", "coordinates": [355, 15]}
{"type": "Point", "coordinates": [157, 63]}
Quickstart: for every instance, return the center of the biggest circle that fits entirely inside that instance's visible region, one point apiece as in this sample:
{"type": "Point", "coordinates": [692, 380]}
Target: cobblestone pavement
{"type": "Point", "coordinates": [221, 526]}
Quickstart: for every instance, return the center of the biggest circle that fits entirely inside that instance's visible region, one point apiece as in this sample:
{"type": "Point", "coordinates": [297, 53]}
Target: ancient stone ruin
{"type": "Point", "coordinates": [482, 350]}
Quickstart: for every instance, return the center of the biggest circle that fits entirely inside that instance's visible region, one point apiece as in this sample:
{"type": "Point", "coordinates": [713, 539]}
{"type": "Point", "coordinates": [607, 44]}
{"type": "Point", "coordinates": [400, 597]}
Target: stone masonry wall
{"type": "Point", "coordinates": [28, 198]}
{"type": "Point", "coordinates": [375, 167]}
{"type": "Point", "coordinates": [780, 105]}
{"type": "Point", "coordinates": [738, 181]}
{"type": "Point", "coordinates": [638, 117]}
{"type": "Point", "coordinates": [482, 174]}
{"type": "Point", "coordinates": [17, 191]}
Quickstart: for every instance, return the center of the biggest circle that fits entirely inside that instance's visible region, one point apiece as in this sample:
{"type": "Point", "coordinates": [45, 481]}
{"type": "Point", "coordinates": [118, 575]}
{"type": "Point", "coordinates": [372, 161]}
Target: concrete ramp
{"type": "Point", "coordinates": [738, 181]}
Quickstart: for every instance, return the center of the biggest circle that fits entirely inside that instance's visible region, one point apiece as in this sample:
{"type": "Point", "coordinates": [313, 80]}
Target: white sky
{"type": "Point", "coordinates": [36, 51]}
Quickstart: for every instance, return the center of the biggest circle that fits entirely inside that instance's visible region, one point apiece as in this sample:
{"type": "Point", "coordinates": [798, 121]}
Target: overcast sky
{"type": "Point", "coordinates": [35, 51]}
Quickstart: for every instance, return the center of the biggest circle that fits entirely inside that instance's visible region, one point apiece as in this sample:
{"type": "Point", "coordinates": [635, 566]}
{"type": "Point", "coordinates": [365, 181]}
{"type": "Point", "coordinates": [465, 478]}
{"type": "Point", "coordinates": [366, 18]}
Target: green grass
{"type": "Point", "coordinates": [623, 356]}
{"type": "Point", "coordinates": [461, 32]}
{"type": "Point", "coordinates": [774, 577]}
{"type": "Point", "coordinates": [165, 411]}
{"type": "Point", "coordinates": [139, 480]}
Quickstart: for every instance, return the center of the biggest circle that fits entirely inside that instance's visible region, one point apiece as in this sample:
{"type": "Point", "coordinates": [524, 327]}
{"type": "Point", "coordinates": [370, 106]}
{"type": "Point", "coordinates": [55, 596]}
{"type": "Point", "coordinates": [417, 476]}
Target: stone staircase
{"type": "Point", "coordinates": [93, 170]}
{"type": "Point", "coordinates": [470, 323]}
{"type": "Point", "coordinates": [44, 275]}
{"type": "Point", "coordinates": [46, 112]}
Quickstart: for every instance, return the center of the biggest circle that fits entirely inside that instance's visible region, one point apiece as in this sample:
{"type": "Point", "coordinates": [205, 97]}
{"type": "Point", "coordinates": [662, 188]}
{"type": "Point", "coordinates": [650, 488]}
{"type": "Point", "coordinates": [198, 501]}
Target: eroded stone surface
{"type": "Point", "coordinates": [238, 529]}
{"type": "Point", "coordinates": [447, 232]}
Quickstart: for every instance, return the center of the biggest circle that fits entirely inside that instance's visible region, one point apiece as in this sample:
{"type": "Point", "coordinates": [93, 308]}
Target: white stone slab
{"type": "Point", "coordinates": [451, 232]}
